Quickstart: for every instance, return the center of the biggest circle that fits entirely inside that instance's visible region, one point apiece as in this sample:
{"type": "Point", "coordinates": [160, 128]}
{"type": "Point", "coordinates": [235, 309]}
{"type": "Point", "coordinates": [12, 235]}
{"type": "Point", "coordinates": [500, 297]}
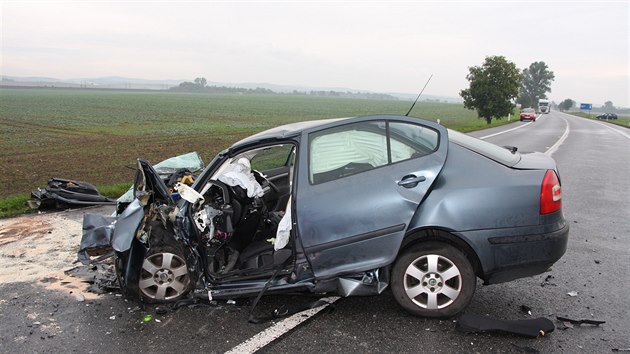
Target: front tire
{"type": "Point", "coordinates": [164, 276]}
{"type": "Point", "coordinates": [433, 279]}
{"type": "Point", "coordinates": [164, 273]}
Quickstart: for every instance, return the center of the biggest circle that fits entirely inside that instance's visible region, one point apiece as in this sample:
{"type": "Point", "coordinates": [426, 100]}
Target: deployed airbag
{"type": "Point", "coordinates": [240, 174]}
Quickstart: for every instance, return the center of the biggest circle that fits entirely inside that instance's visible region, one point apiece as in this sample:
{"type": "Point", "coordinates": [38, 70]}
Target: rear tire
{"type": "Point", "coordinates": [433, 279]}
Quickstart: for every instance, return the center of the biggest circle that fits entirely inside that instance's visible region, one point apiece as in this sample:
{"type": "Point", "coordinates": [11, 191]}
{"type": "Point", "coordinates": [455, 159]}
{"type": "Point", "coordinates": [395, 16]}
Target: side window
{"type": "Point", "coordinates": [346, 150]}
{"type": "Point", "coordinates": [271, 157]}
{"type": "Point", "coordinates": [409, 141]}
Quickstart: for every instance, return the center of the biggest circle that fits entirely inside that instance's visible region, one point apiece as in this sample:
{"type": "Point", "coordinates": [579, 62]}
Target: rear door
{"type": "Point", "coordinates": [359, 184]}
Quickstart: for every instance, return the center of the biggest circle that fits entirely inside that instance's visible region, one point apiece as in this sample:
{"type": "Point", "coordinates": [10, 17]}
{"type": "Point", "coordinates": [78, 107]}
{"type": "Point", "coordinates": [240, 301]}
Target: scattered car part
{"type": "Point", "coordinates": [532, 328]}
{"type": "Point", "coordinates": [64, 193]}
{"type": "Point", "coordinates": [580, 322]}
{"type": "Point", "coordinates": [97, 237]}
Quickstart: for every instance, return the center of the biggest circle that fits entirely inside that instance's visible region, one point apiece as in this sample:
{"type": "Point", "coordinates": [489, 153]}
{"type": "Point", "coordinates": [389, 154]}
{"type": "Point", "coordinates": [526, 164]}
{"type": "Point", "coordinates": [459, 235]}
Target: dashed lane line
{"type": "Point", "coordinates": [505, 131]}
{"type": "Point", "coordinates": [564, 136]}
{"type": "Point", "coordinates": [275, 331]}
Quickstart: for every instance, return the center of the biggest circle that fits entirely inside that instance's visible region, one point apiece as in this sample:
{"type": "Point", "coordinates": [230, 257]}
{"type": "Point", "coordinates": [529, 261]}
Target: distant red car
{"type": "Point", "coordinates": [528, 114]}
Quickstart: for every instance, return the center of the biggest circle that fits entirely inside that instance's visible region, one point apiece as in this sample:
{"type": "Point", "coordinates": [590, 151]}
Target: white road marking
{"type": "Point", "coordinates": [274, 332]}
{"type": "Point", "coordinates": [509, 130]}
{"type": "Point", "coordinates": [613, 129]}
{"type": "Point", "coordinates": [564, 136]}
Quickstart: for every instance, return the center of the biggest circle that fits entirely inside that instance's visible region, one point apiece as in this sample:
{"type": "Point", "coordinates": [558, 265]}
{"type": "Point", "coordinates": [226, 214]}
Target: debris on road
{"type": "Point", "coordinates": [526, 309]}
{"type": "Point", "coordinates": [531, 328]}
{"type": "Point", "coordinates": [64, 193]}
{"type": "Point", "coordinates": [161, 311]}
{"type": "Point", "coordinates": [101, 277]}
{"type": "Point", "coordinates": [547, 281]}
{"type": "Point", "coordinates": [572, 293]}
{"type": "Point", "coordinates": [579, 322]}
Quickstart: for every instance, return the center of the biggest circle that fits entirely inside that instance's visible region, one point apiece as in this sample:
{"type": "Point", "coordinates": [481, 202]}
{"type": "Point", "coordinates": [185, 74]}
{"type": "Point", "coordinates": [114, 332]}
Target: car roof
{"type": "Point", "coordinates": [287, 130]}
{"type": "Point", "coordinates": [294, 129]}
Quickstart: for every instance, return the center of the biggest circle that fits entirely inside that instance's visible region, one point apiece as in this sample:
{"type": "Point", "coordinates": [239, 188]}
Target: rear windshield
{"type": "Point", "coordinates": [491, 151]}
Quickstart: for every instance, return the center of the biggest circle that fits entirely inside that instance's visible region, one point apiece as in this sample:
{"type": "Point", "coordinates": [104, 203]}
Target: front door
{"type": "Point", "coordinates": [359, 185]}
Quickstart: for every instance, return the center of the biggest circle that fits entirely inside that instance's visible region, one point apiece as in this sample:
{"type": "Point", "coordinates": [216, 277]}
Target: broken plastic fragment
{"type": "Point", "coordinates": [572, 293]}
{"type": "Point", "coordinates": [188, 193]}
{"type": "Point", "coordinates": [147, 318]}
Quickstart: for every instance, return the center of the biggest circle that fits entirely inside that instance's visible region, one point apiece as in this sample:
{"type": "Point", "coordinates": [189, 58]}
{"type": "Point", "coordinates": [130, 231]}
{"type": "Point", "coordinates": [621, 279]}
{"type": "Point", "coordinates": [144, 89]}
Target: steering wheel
{"type": "Point", "coordinates": [271, 185]}
{"type": "Point", "coordinates": [267, 182]}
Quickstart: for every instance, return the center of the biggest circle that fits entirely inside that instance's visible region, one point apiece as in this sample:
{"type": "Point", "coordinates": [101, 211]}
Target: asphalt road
{"type": "Point", "coordinates": [594, 163]}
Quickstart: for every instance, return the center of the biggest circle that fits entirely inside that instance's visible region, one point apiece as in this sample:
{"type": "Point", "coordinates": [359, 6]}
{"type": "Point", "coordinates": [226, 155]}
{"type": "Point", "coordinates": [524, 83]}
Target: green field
{"type": "Point", "coordinates": [623, 120]}
{"type": "Point", "coordinates": [96, 135]}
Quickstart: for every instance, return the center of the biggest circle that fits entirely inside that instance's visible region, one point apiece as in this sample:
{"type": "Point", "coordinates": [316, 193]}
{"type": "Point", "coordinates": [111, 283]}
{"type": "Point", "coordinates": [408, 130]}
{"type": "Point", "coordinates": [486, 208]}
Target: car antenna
{"type": "Point", "coordinates": [414, 102]}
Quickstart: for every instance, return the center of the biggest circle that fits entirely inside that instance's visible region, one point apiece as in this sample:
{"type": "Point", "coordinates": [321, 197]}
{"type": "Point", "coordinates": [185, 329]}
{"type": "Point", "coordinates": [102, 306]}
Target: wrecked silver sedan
{"type": "Point", "coordinates": [347, 206]}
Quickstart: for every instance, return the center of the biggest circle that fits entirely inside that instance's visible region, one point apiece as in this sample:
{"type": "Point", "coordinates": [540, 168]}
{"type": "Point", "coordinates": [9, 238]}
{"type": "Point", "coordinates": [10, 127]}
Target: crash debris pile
{"type": "Point", "coordinates": [66, 193]}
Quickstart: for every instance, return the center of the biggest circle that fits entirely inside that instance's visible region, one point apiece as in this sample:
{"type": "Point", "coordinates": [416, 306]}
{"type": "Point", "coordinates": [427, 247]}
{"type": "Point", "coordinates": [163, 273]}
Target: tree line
{"type": "Point", "coordinates": [200, 84]}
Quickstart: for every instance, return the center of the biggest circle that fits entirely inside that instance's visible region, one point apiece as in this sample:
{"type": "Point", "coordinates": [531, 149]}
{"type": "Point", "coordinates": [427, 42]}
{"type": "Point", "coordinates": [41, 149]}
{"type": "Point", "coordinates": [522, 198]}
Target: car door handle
{"type": "Point", "coordinates": [410, 181]}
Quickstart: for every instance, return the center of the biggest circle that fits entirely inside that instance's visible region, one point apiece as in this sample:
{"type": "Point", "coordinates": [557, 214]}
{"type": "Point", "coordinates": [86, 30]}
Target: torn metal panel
{"type": "Point", "coordinates": [191, 162]}
{"type": "Point", "coordinates": [126, 226]}
{"type": "Point", "coordinates": [97, 236]}
{"type": "Point", "coordinates": [372, 282]}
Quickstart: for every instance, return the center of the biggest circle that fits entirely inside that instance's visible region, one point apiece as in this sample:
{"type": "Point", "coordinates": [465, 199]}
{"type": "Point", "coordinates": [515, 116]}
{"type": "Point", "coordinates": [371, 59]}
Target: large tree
{"type": "Point", "coordinates": [201, 82]}
{"type": "Point", "coordinates": [566, 104]}
{"type": "Point", "coordinates": [608, 107]}
{"type": "Point", "coordinates": [535, 85]}
{"type": "Point", "coordinates": [493, 86]}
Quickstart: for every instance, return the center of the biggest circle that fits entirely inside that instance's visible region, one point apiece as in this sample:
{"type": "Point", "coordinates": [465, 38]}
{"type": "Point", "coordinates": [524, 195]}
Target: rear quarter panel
{"type": "Point", "coordinates": [474, 192]}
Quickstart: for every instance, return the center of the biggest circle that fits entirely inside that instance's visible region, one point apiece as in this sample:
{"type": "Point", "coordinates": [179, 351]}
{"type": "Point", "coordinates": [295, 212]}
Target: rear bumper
{"type": "Point", "coordinates": [518, 256]}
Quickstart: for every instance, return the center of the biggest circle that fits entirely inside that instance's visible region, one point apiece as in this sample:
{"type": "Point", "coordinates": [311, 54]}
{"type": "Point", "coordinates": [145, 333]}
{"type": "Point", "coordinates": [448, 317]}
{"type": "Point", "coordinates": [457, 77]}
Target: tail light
{"type": "Point", "coordinates": [550, 193]}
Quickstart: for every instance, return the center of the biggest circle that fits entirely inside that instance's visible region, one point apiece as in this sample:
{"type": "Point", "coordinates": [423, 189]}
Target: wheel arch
{"type": "Point", "coordinates": [416, 236]}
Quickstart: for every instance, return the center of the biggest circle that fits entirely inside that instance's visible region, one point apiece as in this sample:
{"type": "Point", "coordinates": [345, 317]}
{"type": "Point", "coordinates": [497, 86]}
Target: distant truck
{"type": "Point", "coordinates": [544, 106]}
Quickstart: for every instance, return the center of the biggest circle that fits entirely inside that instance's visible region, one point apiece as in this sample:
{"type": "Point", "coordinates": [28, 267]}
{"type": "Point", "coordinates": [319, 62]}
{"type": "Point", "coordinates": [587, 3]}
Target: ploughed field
{"type": "Point", "coordinates": [96, 135]}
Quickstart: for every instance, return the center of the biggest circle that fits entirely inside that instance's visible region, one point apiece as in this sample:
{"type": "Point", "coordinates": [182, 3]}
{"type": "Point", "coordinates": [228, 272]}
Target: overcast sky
{"type": "Point", "coordinates": [377, 46]}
